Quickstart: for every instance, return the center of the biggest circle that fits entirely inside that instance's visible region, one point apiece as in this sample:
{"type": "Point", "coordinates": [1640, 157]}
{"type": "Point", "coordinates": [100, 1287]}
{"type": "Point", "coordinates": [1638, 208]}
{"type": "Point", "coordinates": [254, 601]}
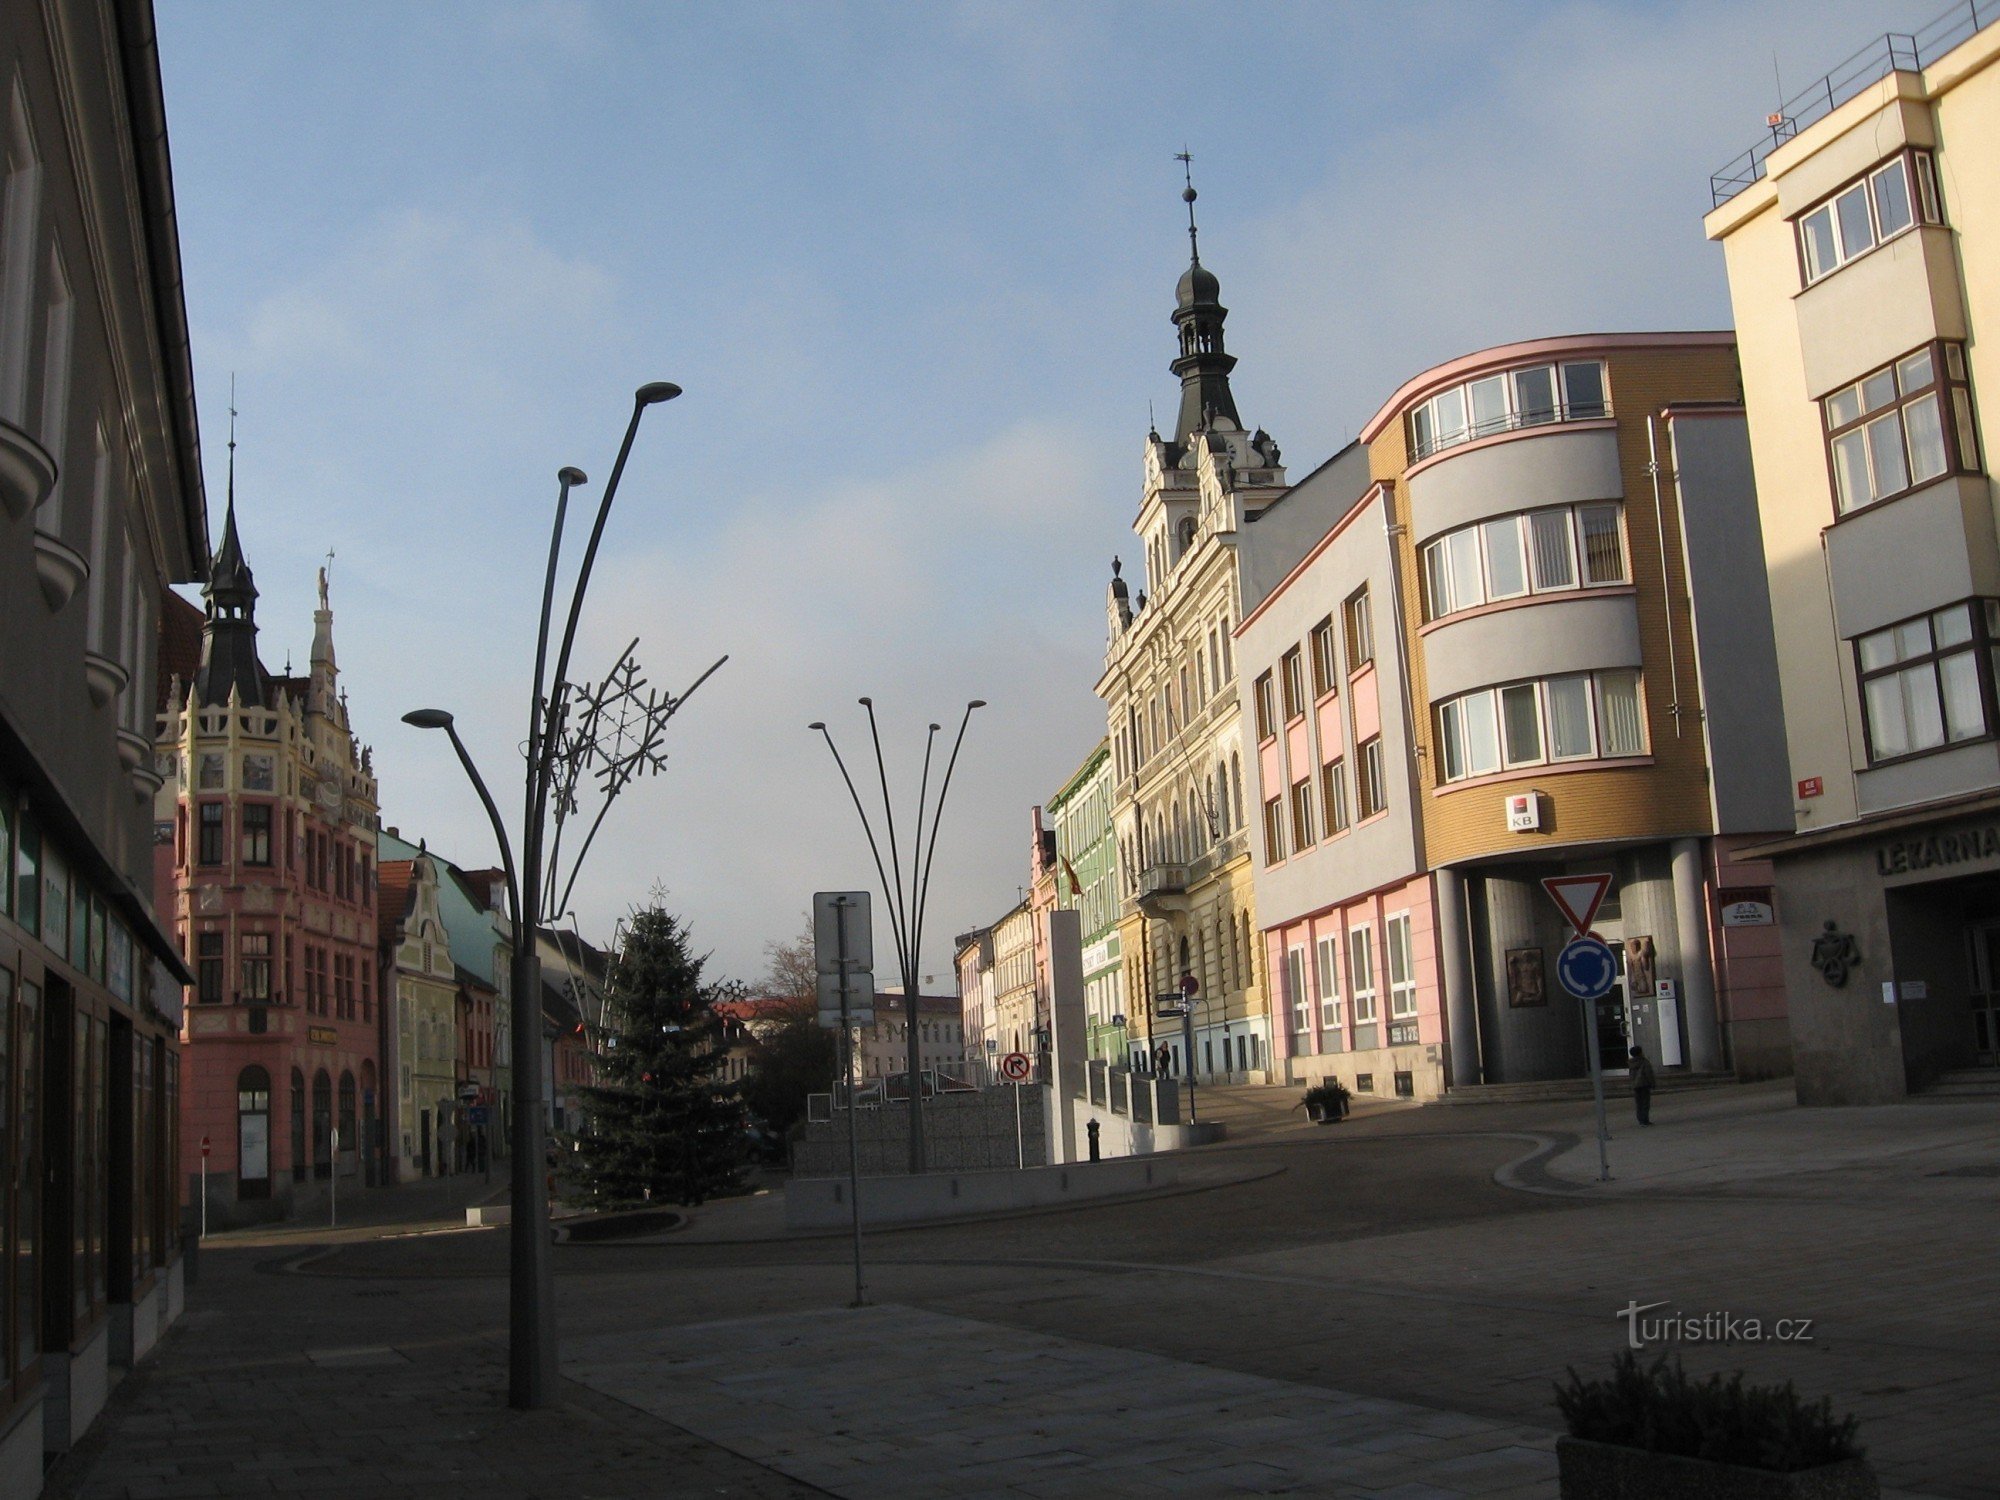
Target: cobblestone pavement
{"type": "Point", "coordinates": [1377, 1261]}
{"type": "Point", "coordinates": [891, 1401]}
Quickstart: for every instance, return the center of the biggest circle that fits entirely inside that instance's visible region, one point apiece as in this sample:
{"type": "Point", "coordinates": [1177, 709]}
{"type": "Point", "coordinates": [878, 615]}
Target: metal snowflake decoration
{"type": "Point", "coordinates": [614, 731]}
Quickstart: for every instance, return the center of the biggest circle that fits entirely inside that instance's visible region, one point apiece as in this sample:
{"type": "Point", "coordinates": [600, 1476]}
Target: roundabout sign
{"type": "Point", "coordinates": [1586, 968]}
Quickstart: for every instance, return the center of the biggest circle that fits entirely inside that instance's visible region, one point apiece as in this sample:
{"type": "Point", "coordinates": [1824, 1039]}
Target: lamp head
{"type": "Point", "coordinates": [428, 718]}
{"type": "Point", "coordinates": [819, 724]}
{"type": "Point", "coordinates": [571, 475]}
{"type": "Point", "coordinates": [865, 702]}
{"type": "Point", "coordinates": [936, 727]}
{"type": "Point", "coordinates": [655, 391]}
{"type": "Point", "coordinates": [975, 703]}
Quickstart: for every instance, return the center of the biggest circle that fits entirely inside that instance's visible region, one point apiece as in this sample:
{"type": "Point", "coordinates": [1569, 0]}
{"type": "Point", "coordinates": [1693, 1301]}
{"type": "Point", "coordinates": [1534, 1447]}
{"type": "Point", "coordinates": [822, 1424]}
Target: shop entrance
{"type": "Point", "coordinates": [1984, 938]}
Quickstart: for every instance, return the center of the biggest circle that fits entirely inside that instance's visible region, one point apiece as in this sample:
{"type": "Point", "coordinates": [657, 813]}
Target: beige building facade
{"type": "Point", "coordinates": [1863, 250]}
{"type": "Point", "coordinates": [1187, 929]}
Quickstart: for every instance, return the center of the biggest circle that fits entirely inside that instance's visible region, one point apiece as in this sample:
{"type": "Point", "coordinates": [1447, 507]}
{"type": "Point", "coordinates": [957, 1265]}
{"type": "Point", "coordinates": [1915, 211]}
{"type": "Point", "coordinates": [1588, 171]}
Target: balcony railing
{"type": "Point", "coordinates": [1893, 52]}
{"type": "Point", "coordinates": [1514, 421]}
{"type": "Point", "coordinates": [1163, 880]}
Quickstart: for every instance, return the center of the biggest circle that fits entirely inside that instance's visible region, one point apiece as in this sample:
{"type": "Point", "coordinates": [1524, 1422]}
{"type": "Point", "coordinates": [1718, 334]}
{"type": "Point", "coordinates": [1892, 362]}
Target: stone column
{"type": "Point", "coordinates": [1697, 974]}
{"type": "Point", "coordinates": [1461, 1004]}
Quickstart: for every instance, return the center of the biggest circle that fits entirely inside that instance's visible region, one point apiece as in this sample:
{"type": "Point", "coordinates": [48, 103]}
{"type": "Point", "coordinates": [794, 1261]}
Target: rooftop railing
{"type": "Point", "coordinates": [1893, 52]}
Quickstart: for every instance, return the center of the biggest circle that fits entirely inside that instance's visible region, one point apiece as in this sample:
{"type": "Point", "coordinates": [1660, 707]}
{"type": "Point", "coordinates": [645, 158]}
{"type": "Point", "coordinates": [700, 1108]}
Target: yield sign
{"type": "Point", "coordinates": [1577, 897]}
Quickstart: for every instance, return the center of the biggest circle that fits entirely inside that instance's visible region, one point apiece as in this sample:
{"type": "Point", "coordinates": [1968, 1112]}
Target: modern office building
{"type": "Point", "coordinates": [101, 509]}
{"type": "Point", "coordinates": [1187, 932]}
{"type": "Point", "coordinates": [1862, 241]}
{"type": "Point", "coordinates": [1518, 631]}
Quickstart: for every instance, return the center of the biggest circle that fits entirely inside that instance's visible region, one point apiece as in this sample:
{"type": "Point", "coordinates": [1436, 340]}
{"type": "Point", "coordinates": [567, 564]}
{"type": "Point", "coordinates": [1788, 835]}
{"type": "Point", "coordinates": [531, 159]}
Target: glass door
{"type": "Point", "coordinates": [1985, 941]}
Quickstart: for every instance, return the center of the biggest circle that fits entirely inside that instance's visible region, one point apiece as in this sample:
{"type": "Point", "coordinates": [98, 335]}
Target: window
{"type": "Point", "coordinates": [256, 833]}
{"type": "Point", "coordinates": [1303, 834]}
{"type": "Point", "coordinates": [1372, 793]}
{"type": "Point", "coordinates": [1267, 715]}
{"type": "Point", "coordinates": [256, 971]}
{"type": "Point", "coordinates": [1274, 831]}
{"type": "Point", "coordinates": [1586, 716]}
{"type": "Point", "coordinates": [210, 847]}
{"type": "Point", "coordinates": [1326, 670]}
{"type": "Point", "coordinates": [1860, 217]}
{"type": "Point", "coordinates": [1402, 967]}
{"type": "Point", "coordinates": [1295, 987]}
{"type": "Point", "coordinates": [1537, 552]}
{"type": "Point", "coordinates": [1508, 401]}
{"type": "Point", "coordinates": [1295, 684]}
{"type": "Point", "coordinates": [208, 968]}
{"type": "Point", "coordinates": [1329, 984]}
{"type": "Point", "coordinates": [1333, 793]}
{"type": "Point", "coordinates": [1360, 632]}
{"type": "Point", "coordinates": [1923, 685]}
{"type": "Point", "coordinates": [1891, 431]}
{"type": "Point", "coordinates": [1361, 975]}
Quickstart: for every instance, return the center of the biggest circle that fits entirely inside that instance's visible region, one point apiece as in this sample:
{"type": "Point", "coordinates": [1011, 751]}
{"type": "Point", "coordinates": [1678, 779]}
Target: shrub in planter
{"type": "Point", "coordinates": [1326, 1101]}
{"type": "Point", "coordinates": [1651, 1430]}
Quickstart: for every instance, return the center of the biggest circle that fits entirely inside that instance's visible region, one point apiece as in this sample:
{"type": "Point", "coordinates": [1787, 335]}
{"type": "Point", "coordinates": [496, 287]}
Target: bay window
{"type": "Point", "coordinates": [1927, 683]}
{"type": "Point", "coordinates": [1507, 401]}
{"type": "Point", "coordinates": [1862, 215]}
{"type": "Point", "coordinates": [1534, 552]}
{"type": "Point", "coordinates": [1900, 426]}
{"type": "Point", "coordinates": [1581, 716]}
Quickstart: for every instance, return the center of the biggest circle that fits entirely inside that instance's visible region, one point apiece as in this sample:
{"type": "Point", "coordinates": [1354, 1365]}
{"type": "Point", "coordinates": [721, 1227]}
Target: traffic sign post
{"type": "Point", "coordinates": [333, 1182]}
{"type": "Point", "coordinates": [844, 955]}
{"type": "Point", "coordinates": [1587, 971]}
{"type": "Point", "coordinates": [204, 1187]}
{"type": "Point", "coordinates": [1015, 1068]}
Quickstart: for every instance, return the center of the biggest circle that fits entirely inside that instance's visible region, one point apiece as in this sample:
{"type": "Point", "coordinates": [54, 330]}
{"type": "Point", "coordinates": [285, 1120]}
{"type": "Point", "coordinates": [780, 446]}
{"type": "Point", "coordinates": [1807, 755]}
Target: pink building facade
{"type": "Point", "coordinates": [265, 865]}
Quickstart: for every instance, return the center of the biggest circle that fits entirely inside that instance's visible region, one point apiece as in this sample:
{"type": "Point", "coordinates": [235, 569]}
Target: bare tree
{"type": "Point", "coordinates": [791, 972]}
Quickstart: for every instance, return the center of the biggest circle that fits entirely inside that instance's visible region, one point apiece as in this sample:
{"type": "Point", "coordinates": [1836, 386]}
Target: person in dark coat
{"type": "Point", "coordinates": [1642, 1085]}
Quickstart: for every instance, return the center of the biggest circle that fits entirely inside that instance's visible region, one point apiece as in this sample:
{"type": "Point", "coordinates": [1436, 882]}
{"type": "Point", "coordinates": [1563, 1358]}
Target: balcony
{"type": "Point", "coordinates": [1162, 889]}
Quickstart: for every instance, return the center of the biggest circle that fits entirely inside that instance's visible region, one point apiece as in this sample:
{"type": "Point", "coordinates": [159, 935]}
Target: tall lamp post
{"type": "Point", "coordinates": [906, 913]}
{"type": "Point", "coordinates": [614, 729]}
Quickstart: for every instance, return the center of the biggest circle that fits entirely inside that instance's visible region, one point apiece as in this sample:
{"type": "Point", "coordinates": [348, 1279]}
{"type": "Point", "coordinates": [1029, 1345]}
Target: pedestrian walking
{"type": "Point", "coordinates": [1642, 1085]}
{"type": "Point", "coordinates": [1163, 1061]}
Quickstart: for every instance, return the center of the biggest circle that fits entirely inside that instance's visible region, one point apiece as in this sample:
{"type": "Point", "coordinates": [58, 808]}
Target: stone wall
{"type": "Point", "coordinates": [962, 1133]}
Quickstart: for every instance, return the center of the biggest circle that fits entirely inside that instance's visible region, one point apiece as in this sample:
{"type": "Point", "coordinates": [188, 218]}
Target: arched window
{"type": "Point", "coordinates": [1185, 533]}
{"type": "Point", "coordinates": [348, 1141]}
{"type": "Point", "coordinates": [1236, 782]}
{"type": "Point", "coordinates": [253, 1133]}
{"type": "Point", "coordinates": [298, 1126]}
{"type": "Point", "coordinates": [322, 1124]}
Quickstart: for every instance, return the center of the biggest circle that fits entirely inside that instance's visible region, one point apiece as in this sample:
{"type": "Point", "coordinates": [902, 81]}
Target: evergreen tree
{"type": "Point", "coordinates": [663, 1129]}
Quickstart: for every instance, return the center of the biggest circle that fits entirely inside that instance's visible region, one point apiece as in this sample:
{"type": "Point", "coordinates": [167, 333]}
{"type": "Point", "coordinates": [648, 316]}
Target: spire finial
{"type": "Point", "coordinates": [1188, 195]}
{"type": "Point", "coordinates": [232, 440]}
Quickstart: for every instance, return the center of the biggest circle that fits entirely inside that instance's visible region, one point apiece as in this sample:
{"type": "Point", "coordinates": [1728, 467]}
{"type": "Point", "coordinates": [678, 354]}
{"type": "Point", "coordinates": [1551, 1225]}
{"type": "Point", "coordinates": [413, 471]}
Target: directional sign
{"type": "Point", "coordinates": [1015, 1067]}
{"type": "Point", "coordinates": [204, 1145]}
{"type": "Point", "coordinates": [860, 999]}
{"type": "Point", "coordinates": [1577, 897]}
{"type": "Point", "coordinates": [1586, 968]}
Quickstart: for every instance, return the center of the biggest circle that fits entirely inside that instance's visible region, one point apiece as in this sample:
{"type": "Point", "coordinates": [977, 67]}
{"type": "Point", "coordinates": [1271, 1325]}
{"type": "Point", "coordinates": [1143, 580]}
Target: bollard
{"type": "Point", "coordinates": [1092, 1128]}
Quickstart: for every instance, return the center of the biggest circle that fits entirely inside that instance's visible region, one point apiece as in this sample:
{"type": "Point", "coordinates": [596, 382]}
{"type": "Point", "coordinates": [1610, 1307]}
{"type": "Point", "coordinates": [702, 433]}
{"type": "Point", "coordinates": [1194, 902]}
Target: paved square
{"type": "Point", "coordinates": [891, 1400]}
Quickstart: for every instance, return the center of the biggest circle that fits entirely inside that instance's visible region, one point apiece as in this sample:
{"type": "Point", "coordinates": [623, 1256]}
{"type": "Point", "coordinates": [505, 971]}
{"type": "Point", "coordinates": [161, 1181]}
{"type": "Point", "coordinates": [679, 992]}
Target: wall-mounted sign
{"type": "Point", "coordinates": [1747, 907]}
{"type": "Point", "coordinates": [1524, 812]}
{"type": "Point", "coordinates": [1909, 857]}
{"type": "Point", "coordinates": [1812, 786]}
{"type": "Point", "coordinates": [322, 1036]}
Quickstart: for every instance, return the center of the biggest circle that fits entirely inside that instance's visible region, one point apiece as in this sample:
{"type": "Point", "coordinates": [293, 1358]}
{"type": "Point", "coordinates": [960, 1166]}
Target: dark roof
{"type": "Point", "coordinates": [934, 1004]}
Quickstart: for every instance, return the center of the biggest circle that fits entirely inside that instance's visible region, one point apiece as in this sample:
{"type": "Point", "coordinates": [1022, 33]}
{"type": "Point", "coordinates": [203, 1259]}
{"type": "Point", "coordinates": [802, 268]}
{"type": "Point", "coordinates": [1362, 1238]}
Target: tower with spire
{"type": "Point", "coordinates": [1170, 694]}
{"type": "Point", "coordinates": [270, 875]}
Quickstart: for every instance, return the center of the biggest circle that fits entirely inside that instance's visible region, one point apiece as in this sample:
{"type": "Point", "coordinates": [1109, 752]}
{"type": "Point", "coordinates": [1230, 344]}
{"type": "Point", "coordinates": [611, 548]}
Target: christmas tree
{"type": "Point", "coordinates": [662, 1128]}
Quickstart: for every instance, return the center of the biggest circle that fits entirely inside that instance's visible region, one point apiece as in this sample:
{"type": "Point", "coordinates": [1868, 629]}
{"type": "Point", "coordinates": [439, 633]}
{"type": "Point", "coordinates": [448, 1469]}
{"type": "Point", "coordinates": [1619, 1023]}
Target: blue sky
{"type": "Point", "coordinates": [913, 266]}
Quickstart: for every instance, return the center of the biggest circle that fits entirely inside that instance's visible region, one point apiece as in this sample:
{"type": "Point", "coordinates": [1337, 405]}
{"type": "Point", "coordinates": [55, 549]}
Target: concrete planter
{"type": "Point", "coordinates": [1601, 1471]}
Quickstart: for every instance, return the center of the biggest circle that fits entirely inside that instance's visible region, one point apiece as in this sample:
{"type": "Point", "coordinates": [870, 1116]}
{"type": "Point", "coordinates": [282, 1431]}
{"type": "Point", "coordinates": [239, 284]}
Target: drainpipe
{"type": "Point", "coordinates": [1666, 591]}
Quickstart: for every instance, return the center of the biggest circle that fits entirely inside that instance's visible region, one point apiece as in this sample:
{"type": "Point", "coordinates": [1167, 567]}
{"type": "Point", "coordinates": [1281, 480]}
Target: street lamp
{"type": "Point", "coordinates": [906, 916]}
{"type": "Point", "coordinates": [615, 728]}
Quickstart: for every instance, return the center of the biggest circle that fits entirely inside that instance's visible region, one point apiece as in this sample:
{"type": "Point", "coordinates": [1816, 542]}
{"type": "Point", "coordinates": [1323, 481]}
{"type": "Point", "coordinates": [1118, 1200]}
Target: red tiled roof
{"type": "Point", "coordinates": [180, 646]}
{"type": "Point", "coordinates": [392, 896]}
{"type": "Point", "coordinates": [762, 1007]}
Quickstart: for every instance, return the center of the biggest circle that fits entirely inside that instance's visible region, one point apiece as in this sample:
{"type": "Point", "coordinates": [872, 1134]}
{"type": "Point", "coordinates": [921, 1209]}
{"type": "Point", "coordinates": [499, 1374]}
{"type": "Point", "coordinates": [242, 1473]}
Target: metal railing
{"type": "Point", "coordinates": [1515, 421]}
{"type": "Point", "coordinates": [1892, 52]}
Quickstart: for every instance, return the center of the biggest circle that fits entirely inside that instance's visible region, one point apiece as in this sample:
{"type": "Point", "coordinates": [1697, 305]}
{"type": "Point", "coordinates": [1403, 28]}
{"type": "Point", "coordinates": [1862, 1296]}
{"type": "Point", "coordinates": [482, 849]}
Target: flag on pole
{"type": "Point", "coordinates": [1075, 885]}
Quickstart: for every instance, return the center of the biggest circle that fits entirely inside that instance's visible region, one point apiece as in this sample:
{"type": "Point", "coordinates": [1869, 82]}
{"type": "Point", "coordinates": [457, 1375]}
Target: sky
{"type": "Point", "coordinates": [913, 265]}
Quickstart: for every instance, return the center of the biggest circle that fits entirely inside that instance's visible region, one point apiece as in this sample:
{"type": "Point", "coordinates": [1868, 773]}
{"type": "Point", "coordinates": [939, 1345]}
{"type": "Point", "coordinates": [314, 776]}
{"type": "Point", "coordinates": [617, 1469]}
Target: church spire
{"type": "Point", "coordinates": [1203, 365]}
{"type": "Point", "coordinates": [229, 635]}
